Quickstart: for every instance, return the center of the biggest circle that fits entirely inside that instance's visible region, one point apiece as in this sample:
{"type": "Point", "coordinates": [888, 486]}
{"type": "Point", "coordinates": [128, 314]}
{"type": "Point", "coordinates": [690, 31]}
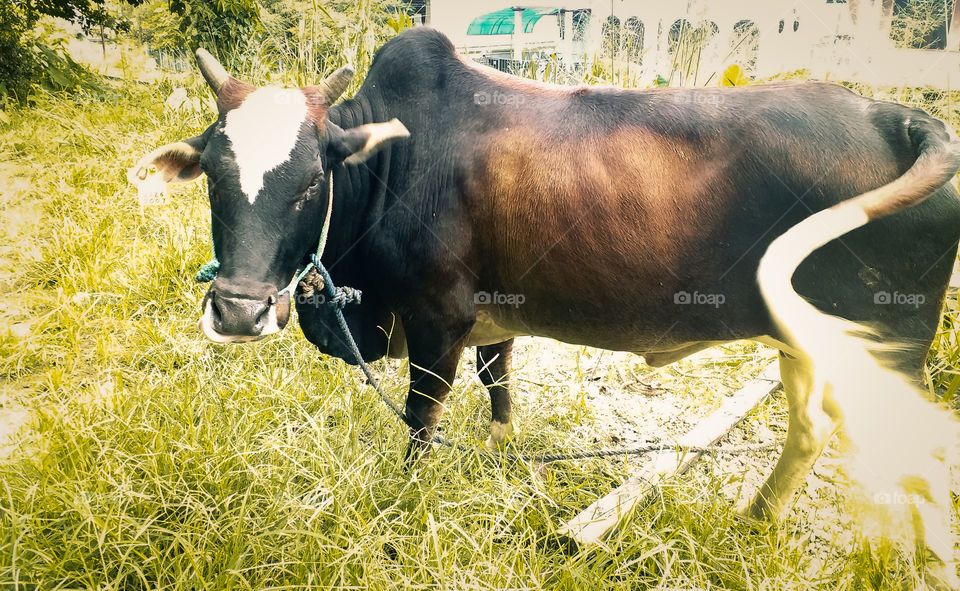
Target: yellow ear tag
{"type": "Point", "coordinates": [151, 190]}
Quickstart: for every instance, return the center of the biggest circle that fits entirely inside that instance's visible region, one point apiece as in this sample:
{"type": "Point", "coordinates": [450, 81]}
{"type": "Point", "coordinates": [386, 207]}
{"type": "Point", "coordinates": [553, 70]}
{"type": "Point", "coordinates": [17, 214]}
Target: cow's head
{"type": "Point", "coordinates": [268, 159]}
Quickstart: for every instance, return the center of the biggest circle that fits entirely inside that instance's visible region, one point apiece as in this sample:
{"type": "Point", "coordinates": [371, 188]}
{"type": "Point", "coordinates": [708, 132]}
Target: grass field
{"type": "Point", "coordinates": [152, 459]}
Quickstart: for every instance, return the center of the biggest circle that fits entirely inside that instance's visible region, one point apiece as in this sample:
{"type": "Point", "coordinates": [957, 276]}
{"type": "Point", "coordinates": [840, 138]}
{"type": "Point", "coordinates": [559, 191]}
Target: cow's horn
{"type": "Point", "coordinates": [212, 71]}
{"type": "Point", "coordinates": [334, 84]}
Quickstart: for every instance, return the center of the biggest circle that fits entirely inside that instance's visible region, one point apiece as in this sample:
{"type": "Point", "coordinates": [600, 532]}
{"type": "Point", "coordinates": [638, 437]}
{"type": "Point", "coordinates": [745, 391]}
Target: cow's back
{"type": "Point", "coordinates": [616, 221]}
{"type": "Point", "coordinates": [603, 207]}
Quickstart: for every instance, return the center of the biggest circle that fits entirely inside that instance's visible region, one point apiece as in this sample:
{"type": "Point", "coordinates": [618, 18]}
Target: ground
{"type": "Point", "coordinates": [138, 455]}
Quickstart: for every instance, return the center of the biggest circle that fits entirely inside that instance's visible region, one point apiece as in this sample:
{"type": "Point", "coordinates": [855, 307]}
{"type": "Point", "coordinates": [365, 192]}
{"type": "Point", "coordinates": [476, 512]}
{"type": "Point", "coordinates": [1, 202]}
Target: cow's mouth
{"type": "Point", "coordinates": [233, 319]}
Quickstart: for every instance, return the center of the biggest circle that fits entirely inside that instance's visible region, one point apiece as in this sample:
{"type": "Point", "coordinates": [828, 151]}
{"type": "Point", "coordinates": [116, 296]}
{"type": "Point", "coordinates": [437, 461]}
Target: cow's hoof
{"type": "Point", "coordinates": [499, 434]}
{"type": "Point", "coordinates": [418, 449]}
{"type": "Point", "coordinates": [743, 518]}
{"type": "Point", "coordinates": [761, 509]}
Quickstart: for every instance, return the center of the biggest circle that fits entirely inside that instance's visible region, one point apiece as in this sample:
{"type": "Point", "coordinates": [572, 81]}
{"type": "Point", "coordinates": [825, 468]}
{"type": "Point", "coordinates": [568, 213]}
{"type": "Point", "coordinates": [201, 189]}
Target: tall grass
{"type": "Point", "coordinates": [306, 40]}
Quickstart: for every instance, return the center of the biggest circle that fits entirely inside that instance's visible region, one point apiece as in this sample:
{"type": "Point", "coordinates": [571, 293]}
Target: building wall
{"type": "Point", "coordinates": [826, 40]}
{"type": "Point", "coordinates": [453, 17]}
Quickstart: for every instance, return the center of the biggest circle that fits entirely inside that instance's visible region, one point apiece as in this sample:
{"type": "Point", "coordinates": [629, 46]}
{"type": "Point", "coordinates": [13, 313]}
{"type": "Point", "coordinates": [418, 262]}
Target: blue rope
{"type": "Point", "coordinates": [338, 297]}
{"type": "Point", "coordinates": [209, 271]}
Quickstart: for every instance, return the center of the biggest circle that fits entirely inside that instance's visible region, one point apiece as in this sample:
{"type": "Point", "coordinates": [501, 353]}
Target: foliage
{"type": "Point", "coordinates": [29, 57]}
{"type": "Point", "coordinates": [687, 44]}
{"type": "Point", "coordinates": [223, 27]}
{"type": "Point", "coordinates": [152, 23]}
{"type": "Point", "coordinates": [86, 13]}
{"type": "Point", "coordinates": [33, 55]}
{"type": "Point", "coordinates": [307, 39]}
{"type": "Point", "coordinates": [17, 67]}
{"type": "Point", "coordinates": [921, 23]}
{"type": "Point", "coordinates": [285, 42]}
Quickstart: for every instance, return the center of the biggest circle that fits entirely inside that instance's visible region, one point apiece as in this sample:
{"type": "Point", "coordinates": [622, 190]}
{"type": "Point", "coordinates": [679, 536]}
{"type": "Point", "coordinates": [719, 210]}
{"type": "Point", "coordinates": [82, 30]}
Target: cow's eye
{"type": "Point", "coordinates": [308, 192]}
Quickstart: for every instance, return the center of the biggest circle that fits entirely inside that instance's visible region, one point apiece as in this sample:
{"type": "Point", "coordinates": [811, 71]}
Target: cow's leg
{"type": "Point", "coordinates": [813, 419]}
{"type": "Point", "coordinates": [436, 336]}
{"type": "Point", "coordinates": [430, 379]}
{"type": "Point", "coordinates": [493, 365]}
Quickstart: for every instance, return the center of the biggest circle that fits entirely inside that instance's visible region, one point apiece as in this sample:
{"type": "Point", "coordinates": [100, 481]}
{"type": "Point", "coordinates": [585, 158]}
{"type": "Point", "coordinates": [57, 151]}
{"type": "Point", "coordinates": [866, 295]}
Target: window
{"type": "Point", "coordinates": [745, 45]}
{"type": "Point", "coordinates": [633, 38]}
{"type": "Point", "coordinates": [611, 36]}
{"type": "Point", "coordinates": [678, 34]}
{"type": "Point", "coordinates": [581, 20]}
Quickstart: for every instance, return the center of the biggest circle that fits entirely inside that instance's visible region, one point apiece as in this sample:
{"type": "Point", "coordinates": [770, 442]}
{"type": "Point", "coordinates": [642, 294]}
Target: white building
{"type": "Point", "coordinates": [691, 42]}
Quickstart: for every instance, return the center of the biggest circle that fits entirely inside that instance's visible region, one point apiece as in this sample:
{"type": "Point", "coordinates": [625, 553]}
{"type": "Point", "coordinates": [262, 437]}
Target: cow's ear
{"type": "Point", "coordinates": [355, 145]}
{"type": "Point", "coordinates": [178, 162]}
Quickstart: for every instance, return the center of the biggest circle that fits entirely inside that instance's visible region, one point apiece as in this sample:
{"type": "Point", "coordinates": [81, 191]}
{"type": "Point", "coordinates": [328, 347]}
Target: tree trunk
{"type": "Point", "coordinates": [852, 6]}
{"type": "Point", "coordinates": [953, 33]}
{"type": "Point", "coordinates": [886, 16]}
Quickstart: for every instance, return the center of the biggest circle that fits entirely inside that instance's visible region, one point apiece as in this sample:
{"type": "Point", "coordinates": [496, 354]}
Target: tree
{"type": "Point", "coordinates": [922, 23]}
{"type": "Point", "coordinates": [223, 27]}
{"type": "Point", "coordinates": [17, 67]}
{"type": "Point", "coordinates": [86, 13]}
{"type": "Point", "coordinates": [152, 23]}
{"type": "Point", "coordinates": [26, 60]}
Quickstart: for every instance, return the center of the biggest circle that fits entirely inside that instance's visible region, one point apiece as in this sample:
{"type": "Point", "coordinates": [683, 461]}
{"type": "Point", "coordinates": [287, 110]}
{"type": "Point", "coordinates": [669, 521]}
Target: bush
{"type": "Point", "coordinates": [32, 52]}
{"type": "Point", "coordinates": [223, 27]}
{"type": "Point", "coordinates": [154, 24]}
{"type": "Point", "coordinates": [17, 66]}
{"type": "Point", "coordinates": [920, 24]}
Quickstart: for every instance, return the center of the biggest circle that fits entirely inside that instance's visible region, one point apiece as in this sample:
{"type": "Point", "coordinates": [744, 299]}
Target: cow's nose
{"type": "Point", "coordinates": [239, 316]}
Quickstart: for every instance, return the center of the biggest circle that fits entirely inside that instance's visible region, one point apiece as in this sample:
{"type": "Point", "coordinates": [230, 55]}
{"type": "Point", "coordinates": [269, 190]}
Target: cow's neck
{"type": "Point", "coordinates": [359, 191]}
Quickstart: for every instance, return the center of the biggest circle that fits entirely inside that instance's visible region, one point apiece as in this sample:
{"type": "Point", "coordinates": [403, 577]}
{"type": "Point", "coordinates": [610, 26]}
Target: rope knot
{"type": "Point", "coordinates": [345, 295]}
{"type": "Point", "coordinates": [208, 272]}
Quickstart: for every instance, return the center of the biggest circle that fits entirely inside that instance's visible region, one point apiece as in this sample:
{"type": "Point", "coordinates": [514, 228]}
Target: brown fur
{"type": "Point", "coordinates": [615, 207]}
{"type": "Point", "coordinates": [232, 94]}
{"type": "Point", "coordinates": [317, 105]}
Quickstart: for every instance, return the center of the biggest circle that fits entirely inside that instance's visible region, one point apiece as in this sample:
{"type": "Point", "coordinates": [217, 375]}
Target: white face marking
{"type": "Point", "coordinates": [263, 132]}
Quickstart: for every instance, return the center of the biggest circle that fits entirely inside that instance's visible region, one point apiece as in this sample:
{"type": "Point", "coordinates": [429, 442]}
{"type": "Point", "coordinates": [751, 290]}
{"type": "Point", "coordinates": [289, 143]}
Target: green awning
{"type": "Point", "coordinates": [501, 21]}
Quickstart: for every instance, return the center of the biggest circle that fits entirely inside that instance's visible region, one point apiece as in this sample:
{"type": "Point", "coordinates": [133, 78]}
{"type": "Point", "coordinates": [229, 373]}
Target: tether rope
{"type": "Point", "coordinates": [338, 297]}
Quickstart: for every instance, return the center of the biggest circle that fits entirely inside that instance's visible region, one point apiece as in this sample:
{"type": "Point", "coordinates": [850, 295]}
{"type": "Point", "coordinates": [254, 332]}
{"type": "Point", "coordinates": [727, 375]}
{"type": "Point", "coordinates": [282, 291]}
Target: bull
{"type": "Point", "coordinates": [659, 221]}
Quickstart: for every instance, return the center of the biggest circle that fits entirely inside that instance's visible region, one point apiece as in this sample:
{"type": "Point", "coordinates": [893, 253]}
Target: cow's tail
{"type": "Point", "coordinates": [902, 444]}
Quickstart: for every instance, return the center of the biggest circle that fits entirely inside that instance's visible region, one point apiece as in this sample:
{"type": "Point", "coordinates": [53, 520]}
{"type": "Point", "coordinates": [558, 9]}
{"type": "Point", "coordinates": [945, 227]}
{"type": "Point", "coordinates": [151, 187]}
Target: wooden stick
{"type": "Point", "coordinates": [600, 519]}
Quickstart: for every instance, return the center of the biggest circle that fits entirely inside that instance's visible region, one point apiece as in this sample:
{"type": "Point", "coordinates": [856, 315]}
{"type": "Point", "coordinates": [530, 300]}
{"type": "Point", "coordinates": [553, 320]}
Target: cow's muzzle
{"type": "Point", "coordinates": [230, 316]}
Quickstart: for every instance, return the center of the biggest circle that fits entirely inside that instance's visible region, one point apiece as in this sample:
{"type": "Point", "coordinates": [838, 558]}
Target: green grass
{"type": "Point", "coordinates": [153, 459]}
